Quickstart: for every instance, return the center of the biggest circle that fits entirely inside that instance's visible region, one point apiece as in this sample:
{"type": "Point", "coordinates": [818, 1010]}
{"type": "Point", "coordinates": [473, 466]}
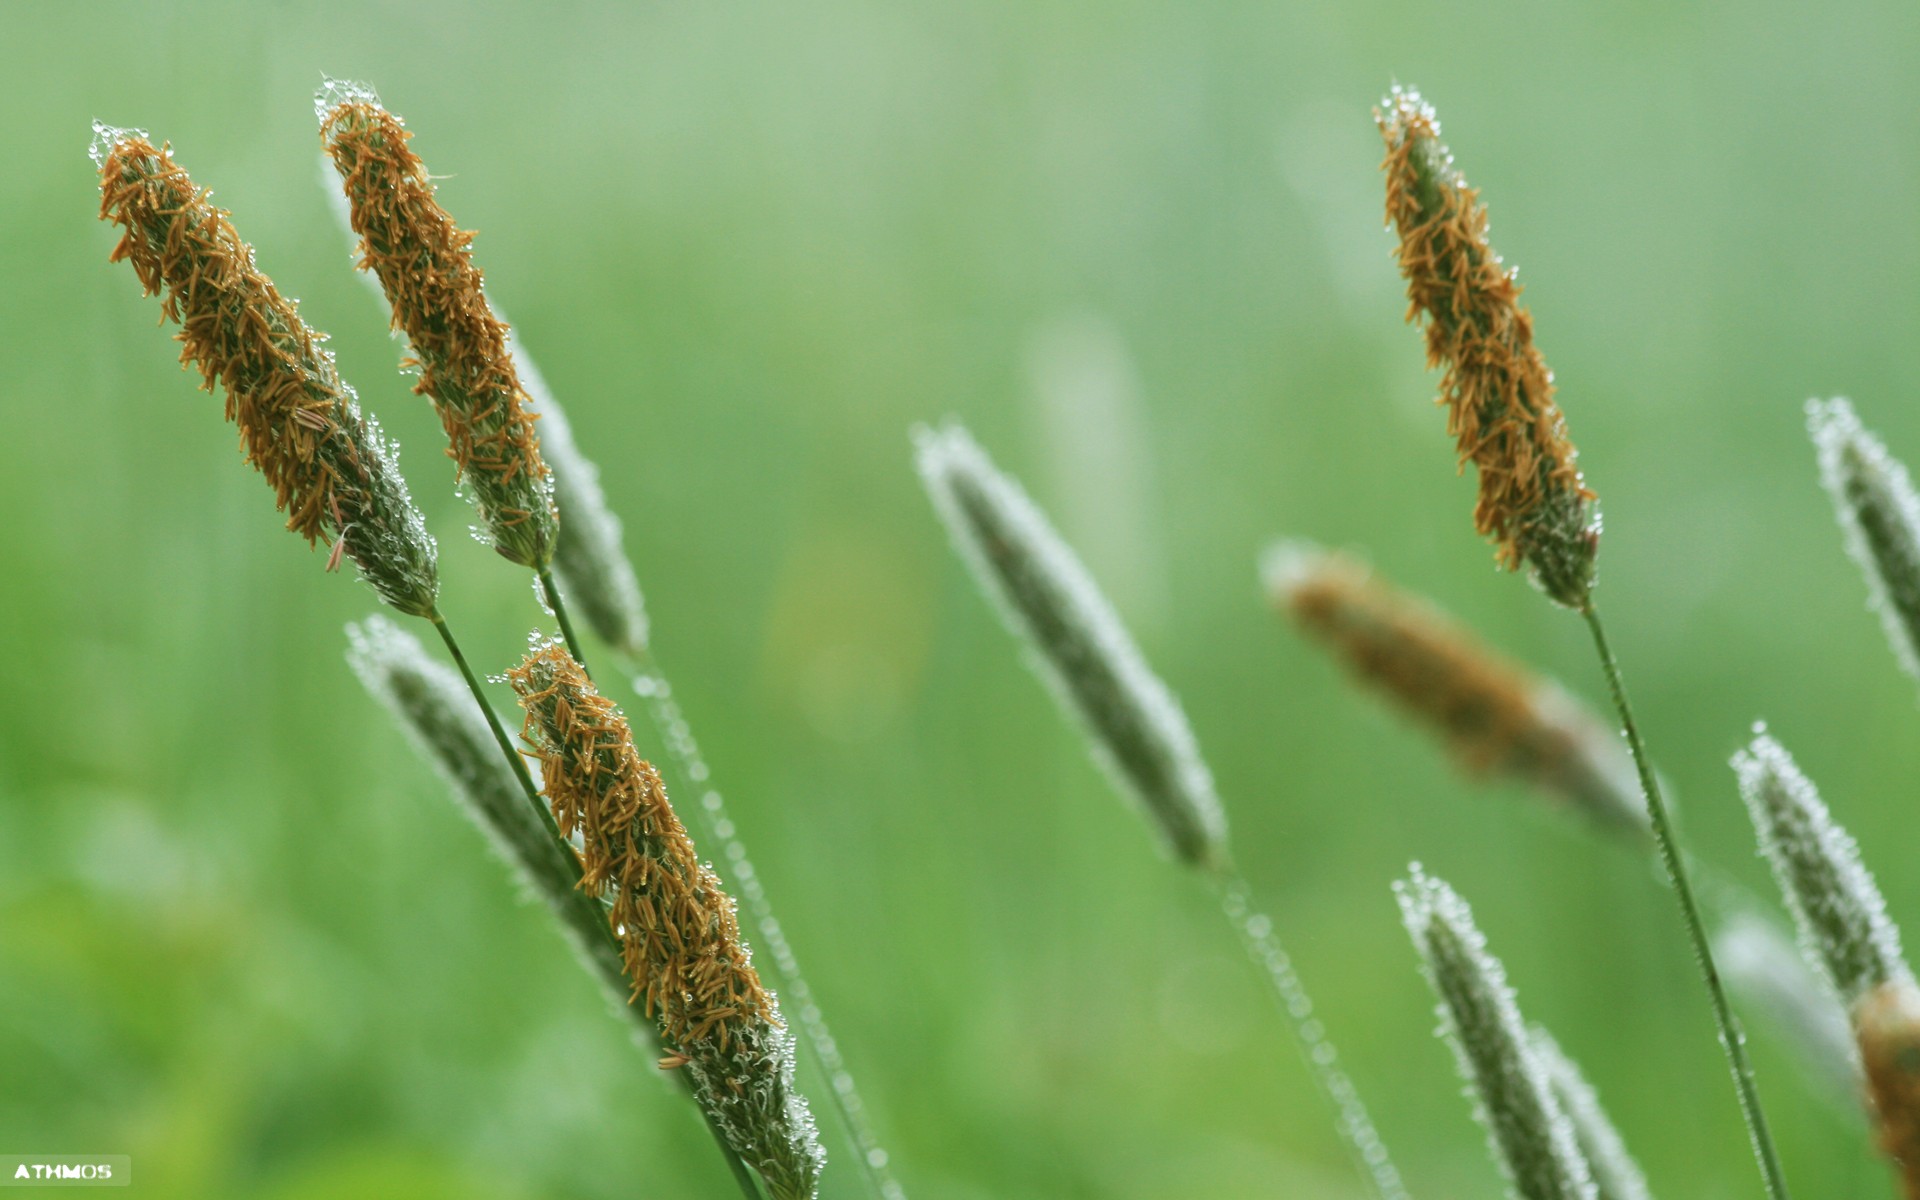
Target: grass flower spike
{"type": "Point", "coordinates": [332, 472]}
{"type": "Point", "coordinates": [1615, 1175]}
{"type": "Point", "coordinates": [1497, 388]}
{"type": "Point", "coordinates": [1842, 919]}
{"type": "Point", "coordinates": [1880, 513]}
{"type": "Point", "coordinates": [1077, 642]}
{"type": "Point", "coordinates": [689, 967]}
{"type": "Point", "coordinates": [1493, 714]}
{"type": "Point", "coordinates": [425, 265]}
{"type": "Point", "coordinates": [1531, 1136]}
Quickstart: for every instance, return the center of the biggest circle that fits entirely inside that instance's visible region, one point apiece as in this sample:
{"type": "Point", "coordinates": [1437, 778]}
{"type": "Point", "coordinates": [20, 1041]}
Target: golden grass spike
{"type": "Point", "coordinates": [1495, 716]}
{"type": "Point", "coordinates": [679, 937]}
{"type": "Point", "coordinates": [1497, 388]}
{"type": "Point", "coordinates": [332, 472]}
{"type": "Point", "coordinates": [425, 265]}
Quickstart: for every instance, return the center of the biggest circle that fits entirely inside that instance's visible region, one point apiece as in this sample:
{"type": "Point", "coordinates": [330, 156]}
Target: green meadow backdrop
{"type": "Point", "coordinates": [1137, 247]}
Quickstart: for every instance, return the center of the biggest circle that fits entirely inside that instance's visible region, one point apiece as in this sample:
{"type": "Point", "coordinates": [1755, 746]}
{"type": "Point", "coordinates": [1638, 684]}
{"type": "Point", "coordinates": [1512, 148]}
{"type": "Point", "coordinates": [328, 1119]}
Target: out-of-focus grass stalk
{"type": "Point", "coordinates": [1493, 714]}
{"type": "Point", "coordinates": [1132, 723]}
{"type": "Point", "coordinates": [1763, 966]}
{"type": "Point", "coordinates": [1533, 500]}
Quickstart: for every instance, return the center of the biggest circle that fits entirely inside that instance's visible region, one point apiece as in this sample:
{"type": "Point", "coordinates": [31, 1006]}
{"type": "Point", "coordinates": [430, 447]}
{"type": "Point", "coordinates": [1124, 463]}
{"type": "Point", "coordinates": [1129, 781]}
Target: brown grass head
{"type": "Point", "coordinates": [1498, 391]}
{"type": "Point", "coordinates": [300, 425]}
{"type": "Point", "coordinates": [1494, 715]}
{"type": "Point", "coordinates": [678, 933]}
{"type": "Point", "coordinates": [1887, 1023]}
{"type": "Point", "coordinates": [425, 265]}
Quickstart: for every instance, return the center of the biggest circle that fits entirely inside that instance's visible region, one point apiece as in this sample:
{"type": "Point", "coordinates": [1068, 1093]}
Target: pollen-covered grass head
{"type": "Point", "coordinates": [1493, 714]}
{"type": "Point", "coordinates": [681, 941]}
{"type": "Point", "coordinates": [1498, 391]}
{"type": "Point", "coordinates": [300, 425]}
{"type": "Point", "coordinates": [425, 266]}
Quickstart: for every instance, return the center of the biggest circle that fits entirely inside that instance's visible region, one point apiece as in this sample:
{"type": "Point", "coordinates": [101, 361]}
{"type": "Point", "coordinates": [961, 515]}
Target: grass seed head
{"type": "Point", "coordinates": [1880, 515]}
{"type": "Point", "coordinates": [333, 473]}
{"type": "Point", "coordinates": [1615, 1175]}
{"type": "Point", "coordinates": [1842, 918]}
{"type": "Point", "coordinates": [1498, 391]}
{"type": "Point", "coordinates": [425, 265]}
{"type": "Point", "coordinates": [1532, 1139]}
{"type": "Point", "coordinates": [681, 941]}
{"type": "Point", "coordinates": [1493, 714]}
{"type": "Point", "coordinates": [1078, 644]}
{"type": "Point", "coordinates": [1887, 1021]}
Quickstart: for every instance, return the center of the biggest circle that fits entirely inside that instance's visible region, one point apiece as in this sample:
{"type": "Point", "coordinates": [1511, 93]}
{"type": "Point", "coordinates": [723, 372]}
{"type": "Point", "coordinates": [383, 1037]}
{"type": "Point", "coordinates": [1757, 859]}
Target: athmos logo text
{"type": "Point", "coordinates": [66, 1170]}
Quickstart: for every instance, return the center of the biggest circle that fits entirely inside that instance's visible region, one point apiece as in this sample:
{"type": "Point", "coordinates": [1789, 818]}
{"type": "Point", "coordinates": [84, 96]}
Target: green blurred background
{"type": "Point", "coordinates": [1137, 247]}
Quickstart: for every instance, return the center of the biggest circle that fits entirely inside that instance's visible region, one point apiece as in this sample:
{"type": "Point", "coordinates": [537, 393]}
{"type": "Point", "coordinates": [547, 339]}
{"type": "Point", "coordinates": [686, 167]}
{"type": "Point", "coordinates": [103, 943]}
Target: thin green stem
{"type": "Point", "coordinates": [1731, 1038]}
{"type": "Point", "coordinates": [552, 593]}
{"type": "Point", "coordinates": [499, 731]}
{"type": "Point", "coordinates": [742, 1174]}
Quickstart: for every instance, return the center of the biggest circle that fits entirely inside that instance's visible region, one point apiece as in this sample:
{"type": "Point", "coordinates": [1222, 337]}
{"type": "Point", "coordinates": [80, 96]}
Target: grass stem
{"type": "Point", "coordinates": [1731, 1038]}
{"type": "Point", "coordinates": [551, 592]}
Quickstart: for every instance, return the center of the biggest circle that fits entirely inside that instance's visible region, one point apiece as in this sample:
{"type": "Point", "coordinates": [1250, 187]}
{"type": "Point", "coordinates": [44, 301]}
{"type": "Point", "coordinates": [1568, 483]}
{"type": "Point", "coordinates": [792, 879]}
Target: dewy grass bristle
{"type": "Point", "coordinates": [1533, 501]}
{"type": "Point", "coordinates": [1493, 714]}
{"type": "Point", "coordinates": [425, 266]}
{"type": "Point", "coordinates": [1616, 1176]}
{"type": "Point", "coordinates": [690, 967]}
{"type": "Point", "coordinates": [300, 425]}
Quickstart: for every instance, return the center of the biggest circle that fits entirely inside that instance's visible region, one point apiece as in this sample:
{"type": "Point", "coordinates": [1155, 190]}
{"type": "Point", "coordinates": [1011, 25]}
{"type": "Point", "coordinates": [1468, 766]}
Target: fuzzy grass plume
{"type": "Point", "coordinates": [332, 472]}
{"type": "Point", "coordinates": [1498, 391]}
{"type": "Point", "coordinates": [425, 265]}
{"type": "Point", "coordinates": [1078, 644]}
{"type": "Point", "coordinates": [1531, 1136]}
{"type": "Point", "coordinates": [1493, 714]}
{"type": "Point", "coordinates": [681, 943]}
{"type": "Point", "coordinates": [1880, 514]}
{"type": "Point", "coordinates": [1841, 916]}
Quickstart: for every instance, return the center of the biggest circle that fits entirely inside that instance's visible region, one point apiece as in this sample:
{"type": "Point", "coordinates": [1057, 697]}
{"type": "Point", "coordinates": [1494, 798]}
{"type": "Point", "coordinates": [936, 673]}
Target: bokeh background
{"type": "Point", "coordinates": [1137, 247]}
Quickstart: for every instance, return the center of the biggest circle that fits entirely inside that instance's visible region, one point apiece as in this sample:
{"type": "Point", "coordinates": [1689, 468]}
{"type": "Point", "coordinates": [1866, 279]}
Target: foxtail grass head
{"type": "Point", "coordinates": [1531, 1136]}
{"type": "Point", "coordinates": [1880, 514]}
{"type": "Point", "coordinates": [1077, 643]}
{"type": "Point", "coordinates": [1842, 918]}
{"type": "Point", "coordinates": [425, 265]}
{"type": "Point", "coordinates": [681, 941]}
{"type": "Point", "coordinates": [1887, 1022]}
{"type": "Point", "coordinates": [1533, 502]}
{"type": "Point", "coordinates": [332, 472]}
{"type": "Point", "coordinates": [1493, 714]}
